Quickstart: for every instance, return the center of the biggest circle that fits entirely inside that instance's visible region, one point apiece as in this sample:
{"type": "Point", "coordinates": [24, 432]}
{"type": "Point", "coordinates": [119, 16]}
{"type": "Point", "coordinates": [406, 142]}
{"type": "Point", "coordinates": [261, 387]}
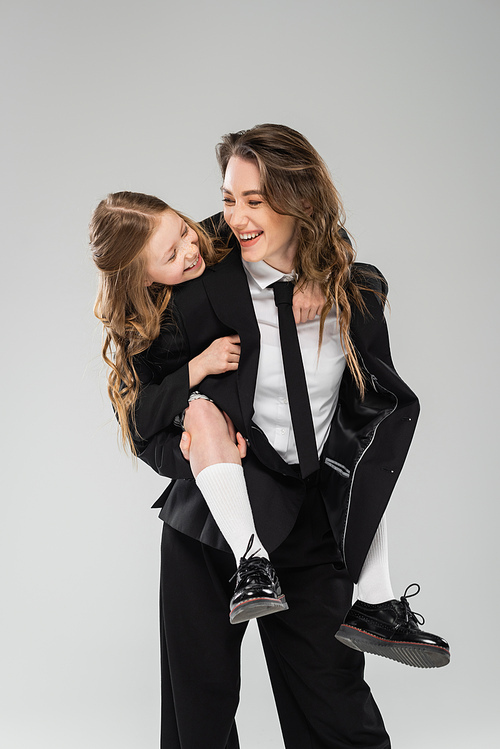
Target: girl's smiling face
{"type": "Point", "coordinates": [262, 233]}
{"type": "Point", "coordinates": [173, 253]}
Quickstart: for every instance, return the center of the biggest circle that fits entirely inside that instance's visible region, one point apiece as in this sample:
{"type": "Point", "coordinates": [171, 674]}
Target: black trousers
{"type": "Point", "coordinates": [322, 699]}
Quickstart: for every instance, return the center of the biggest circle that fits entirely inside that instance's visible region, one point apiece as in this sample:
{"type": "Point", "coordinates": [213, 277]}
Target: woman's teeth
{"type": "Point", "coordinates": [251, 236]}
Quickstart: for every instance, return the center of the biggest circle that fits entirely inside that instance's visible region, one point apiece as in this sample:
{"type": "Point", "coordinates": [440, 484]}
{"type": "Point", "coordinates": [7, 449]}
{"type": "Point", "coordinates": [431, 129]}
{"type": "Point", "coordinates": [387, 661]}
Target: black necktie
{"type": "Point", "coordinates": [296, 386]}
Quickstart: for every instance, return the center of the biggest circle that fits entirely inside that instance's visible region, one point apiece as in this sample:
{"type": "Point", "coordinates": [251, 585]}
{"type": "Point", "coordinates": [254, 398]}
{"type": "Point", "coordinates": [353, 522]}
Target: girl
{"type": "Point", "coordinates": [143, 248]}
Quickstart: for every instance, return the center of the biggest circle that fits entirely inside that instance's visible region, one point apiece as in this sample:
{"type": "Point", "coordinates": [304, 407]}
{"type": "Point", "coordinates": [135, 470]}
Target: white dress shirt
{"type": "Point", "coordinates": [323, 372]}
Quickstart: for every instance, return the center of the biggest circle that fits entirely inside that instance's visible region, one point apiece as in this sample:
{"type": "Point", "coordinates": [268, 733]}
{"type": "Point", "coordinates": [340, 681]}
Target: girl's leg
{"type": "Point", "coordinates": [216, 465]}
{"type": "Point", "coordinates": [374, 584]}
{"type": "Point", "coordinates": [378, 623]}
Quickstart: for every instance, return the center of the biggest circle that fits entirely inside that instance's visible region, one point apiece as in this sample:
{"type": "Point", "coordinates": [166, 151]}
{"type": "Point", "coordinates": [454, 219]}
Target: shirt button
{"type": "Point", "coordinates": [282, 431]}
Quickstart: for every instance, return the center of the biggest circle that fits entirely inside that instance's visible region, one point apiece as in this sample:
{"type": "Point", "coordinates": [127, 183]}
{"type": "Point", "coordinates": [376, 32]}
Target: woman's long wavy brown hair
{"type": "Point", "coordinates": [295, 181]}
{"type": "Point", "coordinates": [129, 309]}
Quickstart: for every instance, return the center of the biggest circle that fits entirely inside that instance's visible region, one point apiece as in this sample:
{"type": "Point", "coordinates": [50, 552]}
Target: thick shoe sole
{"type": "Point", "coordinates": [411, 654]}
{"type": "Point", "coordinates": [256, 607]}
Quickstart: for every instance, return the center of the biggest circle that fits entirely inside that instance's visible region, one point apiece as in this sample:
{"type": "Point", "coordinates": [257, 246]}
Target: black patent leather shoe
{"type": "Point", "coordinates": [258, 590]}
{"type": "Point", "coordinates": [391, 629]}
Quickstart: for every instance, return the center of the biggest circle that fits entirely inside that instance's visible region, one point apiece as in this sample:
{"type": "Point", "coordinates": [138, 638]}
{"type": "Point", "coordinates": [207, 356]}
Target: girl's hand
{"type": "Point", "coordinates": [223, 355]}
{"type": "Point", "coordinates": [308, 301]}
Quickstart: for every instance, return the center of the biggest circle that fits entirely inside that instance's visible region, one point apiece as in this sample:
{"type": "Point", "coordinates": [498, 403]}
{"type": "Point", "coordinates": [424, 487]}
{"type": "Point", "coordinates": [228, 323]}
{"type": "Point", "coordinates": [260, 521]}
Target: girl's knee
{"type": "Point", "coordinates": [203, 414]}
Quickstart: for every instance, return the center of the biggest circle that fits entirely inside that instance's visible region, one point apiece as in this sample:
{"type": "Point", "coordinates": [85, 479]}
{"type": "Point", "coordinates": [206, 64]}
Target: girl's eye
{"type": "Point", "coordinates": [228, 201]}
{"type": "Point", "coordinates": [169, 260]}
{"type": "Point", "coordinates": [186, 229]}
{"type": "Point", "coordinates": [254, 203]}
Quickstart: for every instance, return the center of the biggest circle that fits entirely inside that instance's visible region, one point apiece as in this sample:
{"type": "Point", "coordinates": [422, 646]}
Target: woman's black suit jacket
{"type": "Point", "coordinates": [364, 452]}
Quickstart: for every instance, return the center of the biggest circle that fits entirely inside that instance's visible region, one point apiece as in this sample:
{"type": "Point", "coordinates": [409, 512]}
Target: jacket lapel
{"type": "Point", "coordinates": [227, 289]}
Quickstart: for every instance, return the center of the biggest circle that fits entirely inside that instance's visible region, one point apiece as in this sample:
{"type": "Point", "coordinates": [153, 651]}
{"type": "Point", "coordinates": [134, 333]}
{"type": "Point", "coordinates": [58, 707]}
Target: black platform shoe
{"type": "Point", "coordinates": [391, 629]}
{"type": "Point", "coordinates": [258, 590]}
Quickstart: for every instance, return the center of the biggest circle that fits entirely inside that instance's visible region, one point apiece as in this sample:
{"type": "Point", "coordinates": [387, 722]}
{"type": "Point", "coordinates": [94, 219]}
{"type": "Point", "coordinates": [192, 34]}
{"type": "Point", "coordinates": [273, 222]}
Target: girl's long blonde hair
{"type": "Point", "coordinates": [295, 181]}
{"type": "Point", "coordinates": [129, 309]}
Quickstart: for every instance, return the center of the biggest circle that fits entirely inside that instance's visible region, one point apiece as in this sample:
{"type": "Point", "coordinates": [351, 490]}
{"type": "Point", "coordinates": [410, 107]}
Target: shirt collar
{"type": "Point", "coordinates": [264, 275]}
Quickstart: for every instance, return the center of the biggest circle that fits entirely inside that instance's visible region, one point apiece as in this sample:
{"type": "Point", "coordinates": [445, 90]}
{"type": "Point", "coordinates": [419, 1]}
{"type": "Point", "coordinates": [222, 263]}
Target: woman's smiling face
{"type": "Point", "coordinates": [173, 252]}
{"type": "Point", "coordinates": [262, 233]}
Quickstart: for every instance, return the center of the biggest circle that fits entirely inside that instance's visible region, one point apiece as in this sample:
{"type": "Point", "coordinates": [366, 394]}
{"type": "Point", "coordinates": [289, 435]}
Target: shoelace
{"type": "Point", "coordinates": [244, 558]}
{"type": "Point", "coordinates": [411, 616]}
{"type": "Point", "coordinates": [253, 572]}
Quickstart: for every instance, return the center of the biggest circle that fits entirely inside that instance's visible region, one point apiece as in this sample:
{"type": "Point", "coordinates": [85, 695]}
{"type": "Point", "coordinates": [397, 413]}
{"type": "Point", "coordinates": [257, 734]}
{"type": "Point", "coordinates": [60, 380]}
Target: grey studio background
{"type": "Point", "coordinates": [401, 100]}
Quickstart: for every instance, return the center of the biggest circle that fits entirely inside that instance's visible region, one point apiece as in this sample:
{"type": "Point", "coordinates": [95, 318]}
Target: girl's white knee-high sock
{"type": "Point", "coordinates": [224, 488]}
{"type": "Point", "coordinates": [374, 585]}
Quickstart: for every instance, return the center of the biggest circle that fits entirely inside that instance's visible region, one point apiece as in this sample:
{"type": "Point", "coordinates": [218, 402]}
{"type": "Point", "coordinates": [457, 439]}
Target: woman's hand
{"type": "Point", "coordinates": [223, 355]}
{"type": "Point", "coordinates": [234, 436]}
{"type": "Point", "coordinates": [308, 301]}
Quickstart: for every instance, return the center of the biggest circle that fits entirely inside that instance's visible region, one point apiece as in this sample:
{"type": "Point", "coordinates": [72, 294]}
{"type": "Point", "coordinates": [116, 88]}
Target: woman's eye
{"type": "Point", "coordinates": [254, 203]}
{"type": "Point", "coordinates": [227, 201]}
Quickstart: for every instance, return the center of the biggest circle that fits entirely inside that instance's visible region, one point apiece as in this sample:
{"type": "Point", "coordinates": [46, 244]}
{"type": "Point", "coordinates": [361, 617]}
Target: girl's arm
{"type": "Point", "coordinates": [165, 389]}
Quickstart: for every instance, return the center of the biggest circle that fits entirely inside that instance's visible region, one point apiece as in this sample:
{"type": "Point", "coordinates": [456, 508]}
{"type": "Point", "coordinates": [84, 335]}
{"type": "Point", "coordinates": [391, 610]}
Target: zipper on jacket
{"type": "Point", "coordinates": [374, 382]}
